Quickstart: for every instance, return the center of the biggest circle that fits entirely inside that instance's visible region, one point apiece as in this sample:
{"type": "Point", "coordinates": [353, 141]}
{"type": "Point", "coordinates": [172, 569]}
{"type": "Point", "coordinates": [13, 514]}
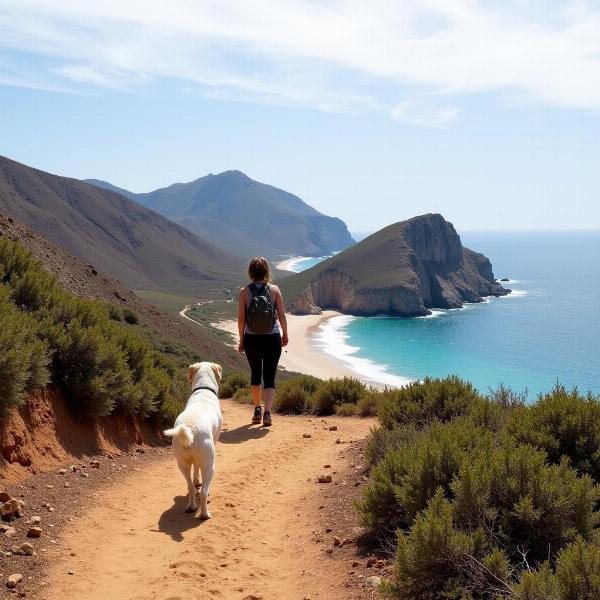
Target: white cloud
{"type": "Point", "coordinates": [424, 115]}
{"type": "Point", "coordinates": [337, 55]}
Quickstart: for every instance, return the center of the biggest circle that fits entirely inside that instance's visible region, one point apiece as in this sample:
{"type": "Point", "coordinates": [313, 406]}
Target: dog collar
{"type": "Point", "coordinates": [204, 387]}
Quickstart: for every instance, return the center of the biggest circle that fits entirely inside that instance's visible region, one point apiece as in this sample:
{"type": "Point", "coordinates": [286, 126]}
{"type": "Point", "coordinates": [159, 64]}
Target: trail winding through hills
{"type": "Point", "coordinates": [137, 543]}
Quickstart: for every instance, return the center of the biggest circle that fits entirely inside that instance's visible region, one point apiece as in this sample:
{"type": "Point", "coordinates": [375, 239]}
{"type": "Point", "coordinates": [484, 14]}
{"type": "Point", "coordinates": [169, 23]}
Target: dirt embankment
{"type": "Point", "coordinates": [43, 434]}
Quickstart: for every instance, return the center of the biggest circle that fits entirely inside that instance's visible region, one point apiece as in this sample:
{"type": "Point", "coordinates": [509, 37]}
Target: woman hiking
{"type": "Point", "coordinates": [263, 332]}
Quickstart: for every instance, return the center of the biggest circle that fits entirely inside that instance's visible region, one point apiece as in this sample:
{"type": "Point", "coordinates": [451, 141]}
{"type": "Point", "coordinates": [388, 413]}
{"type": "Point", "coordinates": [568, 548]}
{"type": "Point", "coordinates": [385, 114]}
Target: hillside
{"type": "Point", "coordinates": [85, 281]}
{"type": "Point", "coordinates": [116, 235]}
{"type": "Point", "coordinates": [404, 269]}
{"type": "Point", "coordinates": [244, 216]}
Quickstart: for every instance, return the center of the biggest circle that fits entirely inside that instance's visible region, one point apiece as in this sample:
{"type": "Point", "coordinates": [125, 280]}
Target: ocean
{"type": "Point", "coordinates": [546, 331]}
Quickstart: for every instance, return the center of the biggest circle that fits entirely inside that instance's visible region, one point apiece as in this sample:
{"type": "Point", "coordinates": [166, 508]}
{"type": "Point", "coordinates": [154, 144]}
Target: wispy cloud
{"type": "Point", "coordinates": [335, 56]}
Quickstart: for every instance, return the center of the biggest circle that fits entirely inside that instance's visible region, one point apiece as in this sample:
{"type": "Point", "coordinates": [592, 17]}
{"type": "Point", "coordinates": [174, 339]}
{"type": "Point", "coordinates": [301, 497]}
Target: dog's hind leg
{"type": "Point", "coordinates": [186, 470]}
{"type": "Point", "coordinates": [208, 470]}
{"type": "Point", "coordinates": [196, 475]}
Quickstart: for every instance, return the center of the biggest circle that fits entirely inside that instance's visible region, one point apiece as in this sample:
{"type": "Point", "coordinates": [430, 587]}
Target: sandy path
{"type": "Point", "coordinates": [137, 543]}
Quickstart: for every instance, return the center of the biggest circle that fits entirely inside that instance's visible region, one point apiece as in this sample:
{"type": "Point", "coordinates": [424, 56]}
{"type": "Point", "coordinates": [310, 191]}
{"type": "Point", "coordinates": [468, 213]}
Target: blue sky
{"type": "Point", "coordinates": [488, 112]}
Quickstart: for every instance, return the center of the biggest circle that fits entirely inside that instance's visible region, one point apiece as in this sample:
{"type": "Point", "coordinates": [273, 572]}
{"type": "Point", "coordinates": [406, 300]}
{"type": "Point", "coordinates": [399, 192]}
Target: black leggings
{"type": "Point", "coordinates": [263, 352]}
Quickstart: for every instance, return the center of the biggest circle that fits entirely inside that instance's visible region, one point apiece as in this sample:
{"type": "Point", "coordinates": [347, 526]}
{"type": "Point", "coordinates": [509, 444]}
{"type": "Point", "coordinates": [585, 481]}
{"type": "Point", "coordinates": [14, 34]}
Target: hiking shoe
{"type": "Point", "coordinates": [257, 415]}
{"type": "Point", "coordinates": [267, 419]}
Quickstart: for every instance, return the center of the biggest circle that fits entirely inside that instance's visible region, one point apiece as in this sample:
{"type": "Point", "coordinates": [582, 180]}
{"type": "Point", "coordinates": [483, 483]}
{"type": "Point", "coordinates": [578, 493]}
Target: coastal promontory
{"type": "Point", "coordinates": [405, 269]}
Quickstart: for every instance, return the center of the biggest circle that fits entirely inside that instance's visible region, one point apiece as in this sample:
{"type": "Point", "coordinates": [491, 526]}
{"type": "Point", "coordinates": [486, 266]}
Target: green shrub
{"type": "Point", "coordinates": [243, 395]}
{"type": "Point", "coordinates": [346, 410]}
{"type": "Point", "coordinates": [231, 383]}
{"type": "Point", "coordinates": [368, 405]}
{"type": "Point", "coordinates": [406, 479]}
{"type": "Point", "coordinates": [563, 424]}
{"type": "Point", "coordinates": [80, 345]}
{"type": "Point", "coordinates": [382, 440]}
{"type": "Point", "coordinates": [115, 313]}
{"type": "Point", "coordinates": [294, 394]}
{"type": "Point", "coordinates": [421, 403]}
{"type": "Point", "coordinates": [130, 316]}
{"type": "Point", "coordinates": [23, 356]}
{"type": "Point", "coordinates": [334, 392]}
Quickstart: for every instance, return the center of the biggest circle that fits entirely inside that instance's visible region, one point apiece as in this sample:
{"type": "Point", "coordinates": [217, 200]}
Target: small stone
{"type": "Point", "coordinates": [4, 497]}
{"type": "Point", "coordinates": [70, 572]}
{"type": "Point", "coordinates": [14, 580]}
{"type": "Point", "coordinates": [306, 435]}
{"type": "Point", "coordinates": [371, 562]}
{"type": "Point", "coordinates": [34, 532]}
{"type": "Point", "coordinates": [51, 509]}
{"type": "Point", "coordinates": [337, 541]}
{"type": "Point", "coordinates": [333, 428]}
{"type": "Point", "coordinates": [380, 564]}
{"type": "Point", "coordinates": [49, 486]}
{"type": "Point", "coordinates": [74, 468]}
{"type": "Point", "coordinates": [25, 549]}
{"type": "Point", "coordinates": [355, 563]}
{"type": "Point", "coordinates": [62, 471]}
{"type": "Point", "coordinates": [9, 531]}
{"type": "Point", "coordinates": [373, 581]}
{"type": "Point", "coordinates": [67, 484]}
{"type": "Point", "coordinates": [95, 464]}
{"type": "Point", "coordinates": [328, 530]}
{"type": "Point", "coordinates": [84, 474]}
{"type": "Point", "coordinates": [327, 466]}
{"type": "Point", "coordinates": [338, 441]}
{"type": "Point", "coordinates": [324, 479]}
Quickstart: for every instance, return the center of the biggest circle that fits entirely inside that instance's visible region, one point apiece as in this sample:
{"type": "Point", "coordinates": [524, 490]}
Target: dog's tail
{"type": "Point", "coordinates": [183, 433]}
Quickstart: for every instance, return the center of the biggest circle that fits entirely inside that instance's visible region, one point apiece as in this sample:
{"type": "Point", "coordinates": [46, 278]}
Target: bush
{"type": "Point", "coordinates": [115, 313]}
{"type": "Point", "coordinates": [421, 403]}
{"type": "Point", "coordinates": [243, 395]}
{"type": "Point", "coordinates": [79, 344]}
{"type": "Point", "coordinates": [490, 498]}
{"type": "Point", "coordinates": [130, 316]}
{"type": "Point", "coordinates": [346, 410]}
{"type": "Point", "coordinates": [562, 423]}
{"type": "Point", "coordinates": [294, 394]}
{"type": "Point", "coordinates": [231, 383]}
{"type": "Point", "coordinates": [382, 440]}
{"type": "Point", "coordinates": [334, 392]}
{"type": "Point", "coordinates": [406, 479]}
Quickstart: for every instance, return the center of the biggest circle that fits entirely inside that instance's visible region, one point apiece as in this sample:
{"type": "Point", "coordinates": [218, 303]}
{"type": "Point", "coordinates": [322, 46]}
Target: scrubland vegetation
{"type": "Point", "coordinates": [486, 497]}
{"type": "Point", "coordinates": [479, 497]}
{"type": "Point", "coordinates": [97, 353]}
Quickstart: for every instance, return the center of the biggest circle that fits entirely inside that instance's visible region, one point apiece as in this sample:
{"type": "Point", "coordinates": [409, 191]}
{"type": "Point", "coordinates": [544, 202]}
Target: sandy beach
{"type": "Point", "coordinates": [300, 355]}
{"type": "Point", "coordinates": [288, 263]}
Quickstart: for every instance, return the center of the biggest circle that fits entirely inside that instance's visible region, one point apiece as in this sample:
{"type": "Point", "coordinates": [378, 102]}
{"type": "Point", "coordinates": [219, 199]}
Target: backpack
{"type": "Point", "coordinates": [260, 314]}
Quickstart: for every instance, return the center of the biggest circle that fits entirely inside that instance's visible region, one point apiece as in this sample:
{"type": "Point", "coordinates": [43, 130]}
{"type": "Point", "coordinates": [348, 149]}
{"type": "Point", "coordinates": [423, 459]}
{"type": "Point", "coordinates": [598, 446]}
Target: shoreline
{"type": "Point", "coordinates": [288, 263]}
{"type": "Point", "coordinates": [305, 355]}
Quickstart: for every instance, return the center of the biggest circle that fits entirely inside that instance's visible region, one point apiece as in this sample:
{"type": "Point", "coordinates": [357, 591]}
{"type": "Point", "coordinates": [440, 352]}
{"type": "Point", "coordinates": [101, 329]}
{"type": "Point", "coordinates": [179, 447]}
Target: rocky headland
{"type": "Point", "coordinates": [405, 269]}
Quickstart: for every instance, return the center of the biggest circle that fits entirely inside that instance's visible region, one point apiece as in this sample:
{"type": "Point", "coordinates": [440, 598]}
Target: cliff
{"type": "Point", "coordinates": [402, 270]}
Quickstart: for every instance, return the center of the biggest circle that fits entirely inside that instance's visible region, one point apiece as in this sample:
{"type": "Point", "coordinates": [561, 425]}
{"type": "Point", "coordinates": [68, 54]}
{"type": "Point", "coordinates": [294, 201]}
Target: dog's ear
{"type": "Point", "coordinates": [192, 370]}
{"type": "Point", "coordinates": [217, 370]}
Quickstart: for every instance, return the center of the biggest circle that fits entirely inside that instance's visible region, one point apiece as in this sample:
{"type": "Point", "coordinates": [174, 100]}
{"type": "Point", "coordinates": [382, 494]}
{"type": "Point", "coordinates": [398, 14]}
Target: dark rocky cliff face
{"type": "Point", "coordinates": [404, 270]}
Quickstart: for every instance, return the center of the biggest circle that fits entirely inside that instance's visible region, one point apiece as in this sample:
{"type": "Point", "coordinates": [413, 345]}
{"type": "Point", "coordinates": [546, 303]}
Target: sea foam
{"type": "Point", "coordinates": [331, 338]}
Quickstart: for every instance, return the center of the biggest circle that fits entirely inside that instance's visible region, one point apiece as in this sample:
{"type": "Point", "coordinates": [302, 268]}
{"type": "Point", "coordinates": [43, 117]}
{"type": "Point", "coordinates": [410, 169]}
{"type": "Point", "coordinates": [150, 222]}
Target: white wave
{"type": "Point", "coordinates": [332, 338]}
{"type": "Point", "coordinates": [516, 294]}
{"type": "Point", "coordinates": [290, 264]}
{"type": "Point", "coordinates": [435, 313]}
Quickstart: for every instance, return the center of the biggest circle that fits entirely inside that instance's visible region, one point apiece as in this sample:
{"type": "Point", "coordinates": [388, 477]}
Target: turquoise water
{"type": "Point", "coordinates": [548, 330]}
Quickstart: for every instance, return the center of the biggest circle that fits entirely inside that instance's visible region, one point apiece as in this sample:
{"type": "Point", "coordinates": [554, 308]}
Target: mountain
{"type": "Point", "coordinates": [404, 270]}
{"type": "Point", "coordinates": [115, 234]}
{"type": "Point", "coordinates": [82, 279]}
{"type": "Point", "coordinates": [246, 217]}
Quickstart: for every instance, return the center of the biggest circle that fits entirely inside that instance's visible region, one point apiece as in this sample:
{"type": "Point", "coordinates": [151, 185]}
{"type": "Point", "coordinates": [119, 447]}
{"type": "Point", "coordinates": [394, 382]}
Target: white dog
{"type": "Point", "coordinates": [196, 432]}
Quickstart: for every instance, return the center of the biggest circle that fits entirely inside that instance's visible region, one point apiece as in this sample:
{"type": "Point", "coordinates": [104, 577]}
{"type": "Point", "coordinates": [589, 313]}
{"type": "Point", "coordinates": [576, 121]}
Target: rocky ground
{"type": "Point", "coordinates": [114, 526]}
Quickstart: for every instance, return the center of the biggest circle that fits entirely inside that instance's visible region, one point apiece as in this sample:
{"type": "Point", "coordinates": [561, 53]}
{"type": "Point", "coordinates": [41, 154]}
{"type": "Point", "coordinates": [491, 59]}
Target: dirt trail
{"type": "Point", "coordinates": [137, 543]}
